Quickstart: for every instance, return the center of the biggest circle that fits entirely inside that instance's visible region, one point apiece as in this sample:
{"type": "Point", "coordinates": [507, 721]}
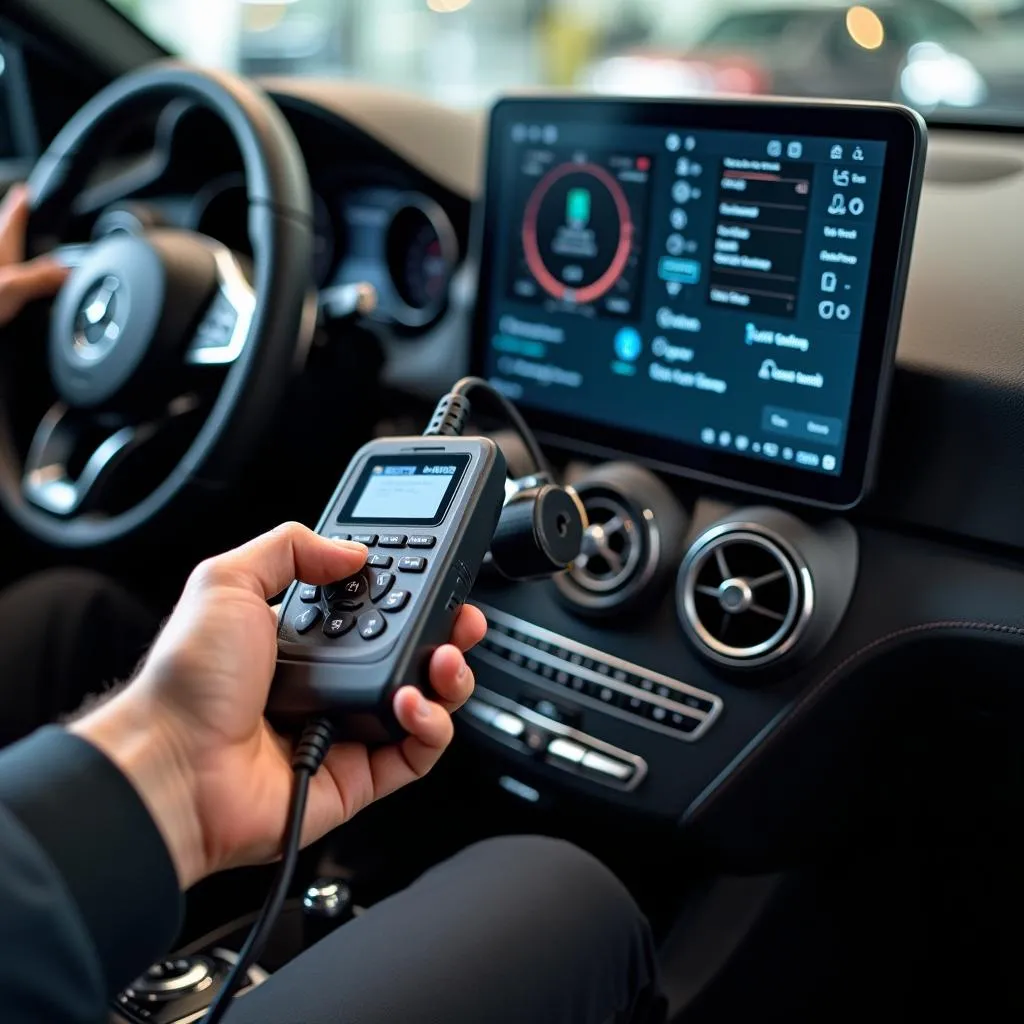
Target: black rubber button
{"type": "Point", "coordinates": [395, 601]}
{"type": "Point", "coordinates": [348, 592]}
{"type": "Point", "coordinates": [379, 561]}
{"type": "Point", "coordinates": [369, 539]}
{"type": "Point", "coordinates": [380, 584]}
{"type": "Point", "coordinates": [392, 540]}
{"type": "Point", "coordinates": [339, 624]}
{"type": "Point", "coordinates": [422, 540]}
{"type": "Point", "coordinates": [306, 620]}
{"type": "Point", "coordinates": [412, 563]}
{"type": "Point", "coordinates": [371, 625]}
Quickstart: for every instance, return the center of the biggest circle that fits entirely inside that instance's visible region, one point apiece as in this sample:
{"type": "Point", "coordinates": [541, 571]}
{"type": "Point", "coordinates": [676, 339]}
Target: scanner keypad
{"type": "Point", "coordinates": [357, 610]}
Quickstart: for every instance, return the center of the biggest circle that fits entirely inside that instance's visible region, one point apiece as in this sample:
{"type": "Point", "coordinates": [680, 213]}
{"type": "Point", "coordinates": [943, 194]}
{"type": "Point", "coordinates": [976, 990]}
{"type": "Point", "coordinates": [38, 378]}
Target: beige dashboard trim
{"type": "Point", "coordinates": [444, 143]}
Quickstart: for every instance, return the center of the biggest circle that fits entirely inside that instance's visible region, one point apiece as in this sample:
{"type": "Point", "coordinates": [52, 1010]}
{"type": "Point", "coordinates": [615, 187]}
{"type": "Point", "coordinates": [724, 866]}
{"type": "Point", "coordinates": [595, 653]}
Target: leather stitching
{"type": "Point", "coordinates": [811, 697]}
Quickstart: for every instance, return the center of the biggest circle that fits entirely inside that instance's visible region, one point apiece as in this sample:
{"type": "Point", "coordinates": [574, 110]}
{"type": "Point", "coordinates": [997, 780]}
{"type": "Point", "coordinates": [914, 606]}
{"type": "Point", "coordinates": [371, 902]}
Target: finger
{"type": "Point", "coordinates": [14, 213]}
{"type": "Point", "coordinates": [430, 731]}
{"type": "Point", "coordinates": [470, 627]}
{"type": "Point", "coordinates": [269, 563]}
{"type": "Point", "coordinates": [451, 677]}
{"type": "Point", "coordinates": [26, 282]}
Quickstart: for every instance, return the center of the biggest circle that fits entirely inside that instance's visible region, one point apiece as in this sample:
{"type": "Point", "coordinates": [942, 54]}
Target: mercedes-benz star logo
{"type": "Point", "coordinates": [96, 326]}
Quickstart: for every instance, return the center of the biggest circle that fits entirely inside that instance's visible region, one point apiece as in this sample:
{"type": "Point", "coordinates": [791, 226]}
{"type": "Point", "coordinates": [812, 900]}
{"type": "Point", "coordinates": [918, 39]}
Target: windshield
{"type": "Point", "coordinates": [948, 58]}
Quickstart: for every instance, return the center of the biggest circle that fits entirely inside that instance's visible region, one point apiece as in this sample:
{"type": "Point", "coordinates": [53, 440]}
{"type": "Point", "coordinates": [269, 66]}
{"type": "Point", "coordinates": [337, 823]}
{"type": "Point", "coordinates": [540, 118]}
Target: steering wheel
{"type": "Point", "coordinates": [143, 313]}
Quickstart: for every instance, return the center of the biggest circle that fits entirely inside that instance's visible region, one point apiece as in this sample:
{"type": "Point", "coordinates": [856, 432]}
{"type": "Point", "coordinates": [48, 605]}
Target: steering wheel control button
{"type": "Point", "coordinates": [412, 563]}
{"type": "Point", "coordinates": [379, 562]}
{"type": "Point", "coordinates": [369, 539]}
{"type": "Point", "coordinates": [218, 326]}
{"type": "Point", "coordinates": [308, 594]}
{"type": "Point", "coordinates": [306, 620]}
{"type": "Point", "coordinates": [339, 624]}
{"type": "Point", "coordinates": [602, 765]}
{"type": "Point", "coordinates": [392, 540]}
{"type": "Point", "coordinates": [371, 625]}
{"type": "Point", "coordinates": [380, 584]}
{"type": "Point", "coordinates": [422, 540]}
{"type": "Point", "coordinates": [395, 601]}
{"type": "Point", "coordinates": [350, 593]}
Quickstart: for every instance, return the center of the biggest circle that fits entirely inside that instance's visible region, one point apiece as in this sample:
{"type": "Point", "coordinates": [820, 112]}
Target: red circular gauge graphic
{"type": "Point", "coordinates": [547, 280]}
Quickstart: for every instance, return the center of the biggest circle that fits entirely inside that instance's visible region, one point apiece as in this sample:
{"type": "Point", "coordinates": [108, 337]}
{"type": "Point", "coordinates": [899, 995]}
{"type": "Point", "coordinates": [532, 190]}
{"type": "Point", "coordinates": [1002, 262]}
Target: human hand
{"type": "Point", "coordinates": [21, 282]}
{"type": "Point", "coordinates": [190, 733]}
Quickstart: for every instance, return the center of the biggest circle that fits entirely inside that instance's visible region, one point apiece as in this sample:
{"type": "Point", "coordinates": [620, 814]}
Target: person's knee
{"type": "Point", "coordinates": [543, 869]}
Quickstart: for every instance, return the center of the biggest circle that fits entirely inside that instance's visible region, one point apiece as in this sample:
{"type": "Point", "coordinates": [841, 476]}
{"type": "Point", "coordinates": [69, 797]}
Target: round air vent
{"type": "Point", "coordinates": [633, 541]}
{"type": "Point", "coordinates": [745, 595]}
{"type": "Point", "coordinates": [612, 546]}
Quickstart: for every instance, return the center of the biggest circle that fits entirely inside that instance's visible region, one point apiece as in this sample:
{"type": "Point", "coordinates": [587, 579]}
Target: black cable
{"type": "Point", "coordinates": [452, 411]}
{"type": "Point", "coordinates": [309, 755]}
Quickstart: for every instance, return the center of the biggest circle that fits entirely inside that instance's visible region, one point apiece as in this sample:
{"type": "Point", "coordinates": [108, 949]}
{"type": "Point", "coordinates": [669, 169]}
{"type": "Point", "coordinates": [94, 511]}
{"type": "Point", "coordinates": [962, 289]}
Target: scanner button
{"type": "Point", "coordinates": [423, 540]}
{"type": "Point", "coordinates": [395, 601]}
{"type": "Point", "coordinates": [371, 625]}
{"type": "Point", "coordinates": [369, 539]}
{"type": "Point", "coordinates": [308, 594]}
{"type": "Point", "coordinates": [306, 620]}
{"type": "Point", "coordinates": [412, 563]}
{"type": "Point", "coordinates": [348, 592]}
{"type": "Point", "coordinates": [380, 584]}
{"type": "Point", "coordinates": [379, 562]}
{"type": "Point", "coordinates": [339, 624]}
{"type": "Point", "coordinates": [392, 540]}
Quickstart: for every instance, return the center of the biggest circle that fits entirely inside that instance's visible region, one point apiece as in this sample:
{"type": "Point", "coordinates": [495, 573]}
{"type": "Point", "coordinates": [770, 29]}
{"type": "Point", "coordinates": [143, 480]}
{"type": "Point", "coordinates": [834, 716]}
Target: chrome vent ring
{"type": "Point", "coordinates": [745, 595]}
{"type": "Point", "coordinates": [612, 546]}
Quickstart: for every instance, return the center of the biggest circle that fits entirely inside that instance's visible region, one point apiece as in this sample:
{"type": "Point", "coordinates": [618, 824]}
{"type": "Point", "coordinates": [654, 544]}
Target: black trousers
{"type": "Point", "coordinates": [520, 930]}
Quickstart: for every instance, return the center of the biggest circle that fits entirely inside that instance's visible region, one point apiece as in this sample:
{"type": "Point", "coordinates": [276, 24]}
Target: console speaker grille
{"type": "Point", "coordinates": [745, 595]}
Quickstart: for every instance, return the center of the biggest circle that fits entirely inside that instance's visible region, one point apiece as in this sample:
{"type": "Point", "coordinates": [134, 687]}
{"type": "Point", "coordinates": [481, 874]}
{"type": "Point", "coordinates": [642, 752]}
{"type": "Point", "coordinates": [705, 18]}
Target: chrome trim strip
{"type": "Point", "coordinates": [45, 480]}
{"type": "Point", "coordinates": [707, 719]}
{"type": "Point", "coordinates": [235, 288]}
{"type": "Point", "coordinates": [496, 700]}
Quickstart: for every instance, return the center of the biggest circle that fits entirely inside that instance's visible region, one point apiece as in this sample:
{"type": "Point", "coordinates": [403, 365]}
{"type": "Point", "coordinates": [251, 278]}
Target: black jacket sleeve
{"type": "Point", "coordinates": [88, 894]}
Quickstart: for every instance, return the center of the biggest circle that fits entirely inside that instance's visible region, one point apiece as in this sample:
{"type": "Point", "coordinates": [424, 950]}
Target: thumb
{"type": "Point", "coordinates": [269, 563]}
{"type": "Point", "coordinates": [23, 283]}
{"type": "Point", "coordinates": [14, 212]}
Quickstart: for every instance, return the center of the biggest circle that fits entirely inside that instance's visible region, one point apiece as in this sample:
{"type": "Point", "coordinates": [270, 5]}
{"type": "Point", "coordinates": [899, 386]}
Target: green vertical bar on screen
{"type": "Point", "coordinates": [577, 207]}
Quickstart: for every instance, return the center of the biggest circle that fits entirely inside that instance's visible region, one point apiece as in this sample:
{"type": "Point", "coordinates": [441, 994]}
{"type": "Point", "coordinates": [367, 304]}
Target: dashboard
{"type": "Point", "coordinates": [654, 679]}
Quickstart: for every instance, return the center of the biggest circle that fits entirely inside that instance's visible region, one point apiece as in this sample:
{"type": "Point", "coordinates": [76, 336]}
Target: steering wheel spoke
{"type": "Point", "coordinates": [65, 439]}
{"type": "Point", "coordinates": [222, 332]}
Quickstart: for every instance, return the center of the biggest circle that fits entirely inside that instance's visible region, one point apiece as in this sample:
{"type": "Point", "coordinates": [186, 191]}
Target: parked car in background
{"type": "Point", "coordinates": [923, 52]}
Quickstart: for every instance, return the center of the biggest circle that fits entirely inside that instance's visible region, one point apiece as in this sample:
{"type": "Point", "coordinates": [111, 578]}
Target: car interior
{"type": "Point", "coordinates": [775, 347]}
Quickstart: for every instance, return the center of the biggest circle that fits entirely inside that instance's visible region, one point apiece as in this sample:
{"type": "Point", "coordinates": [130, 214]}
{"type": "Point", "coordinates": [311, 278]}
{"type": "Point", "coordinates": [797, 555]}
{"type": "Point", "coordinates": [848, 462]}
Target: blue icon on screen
{"type": "Point", "coordinates": [628, 345]}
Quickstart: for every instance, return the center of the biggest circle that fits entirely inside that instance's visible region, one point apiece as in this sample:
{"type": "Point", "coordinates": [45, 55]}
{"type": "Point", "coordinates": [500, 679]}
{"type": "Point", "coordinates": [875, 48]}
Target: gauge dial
{"type": "Point", "coordinates": [421, 253]}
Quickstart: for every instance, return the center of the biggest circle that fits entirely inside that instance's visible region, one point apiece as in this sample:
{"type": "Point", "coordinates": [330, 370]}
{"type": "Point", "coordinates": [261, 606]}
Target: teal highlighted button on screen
{"type": "Point", "coordinates": [670, 268]}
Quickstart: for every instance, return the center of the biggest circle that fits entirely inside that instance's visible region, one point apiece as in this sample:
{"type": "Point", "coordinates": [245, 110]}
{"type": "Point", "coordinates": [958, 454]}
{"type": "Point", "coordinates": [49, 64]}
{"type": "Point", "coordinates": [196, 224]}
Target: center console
{"type": "Point", "coordinates": [698, 303]}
